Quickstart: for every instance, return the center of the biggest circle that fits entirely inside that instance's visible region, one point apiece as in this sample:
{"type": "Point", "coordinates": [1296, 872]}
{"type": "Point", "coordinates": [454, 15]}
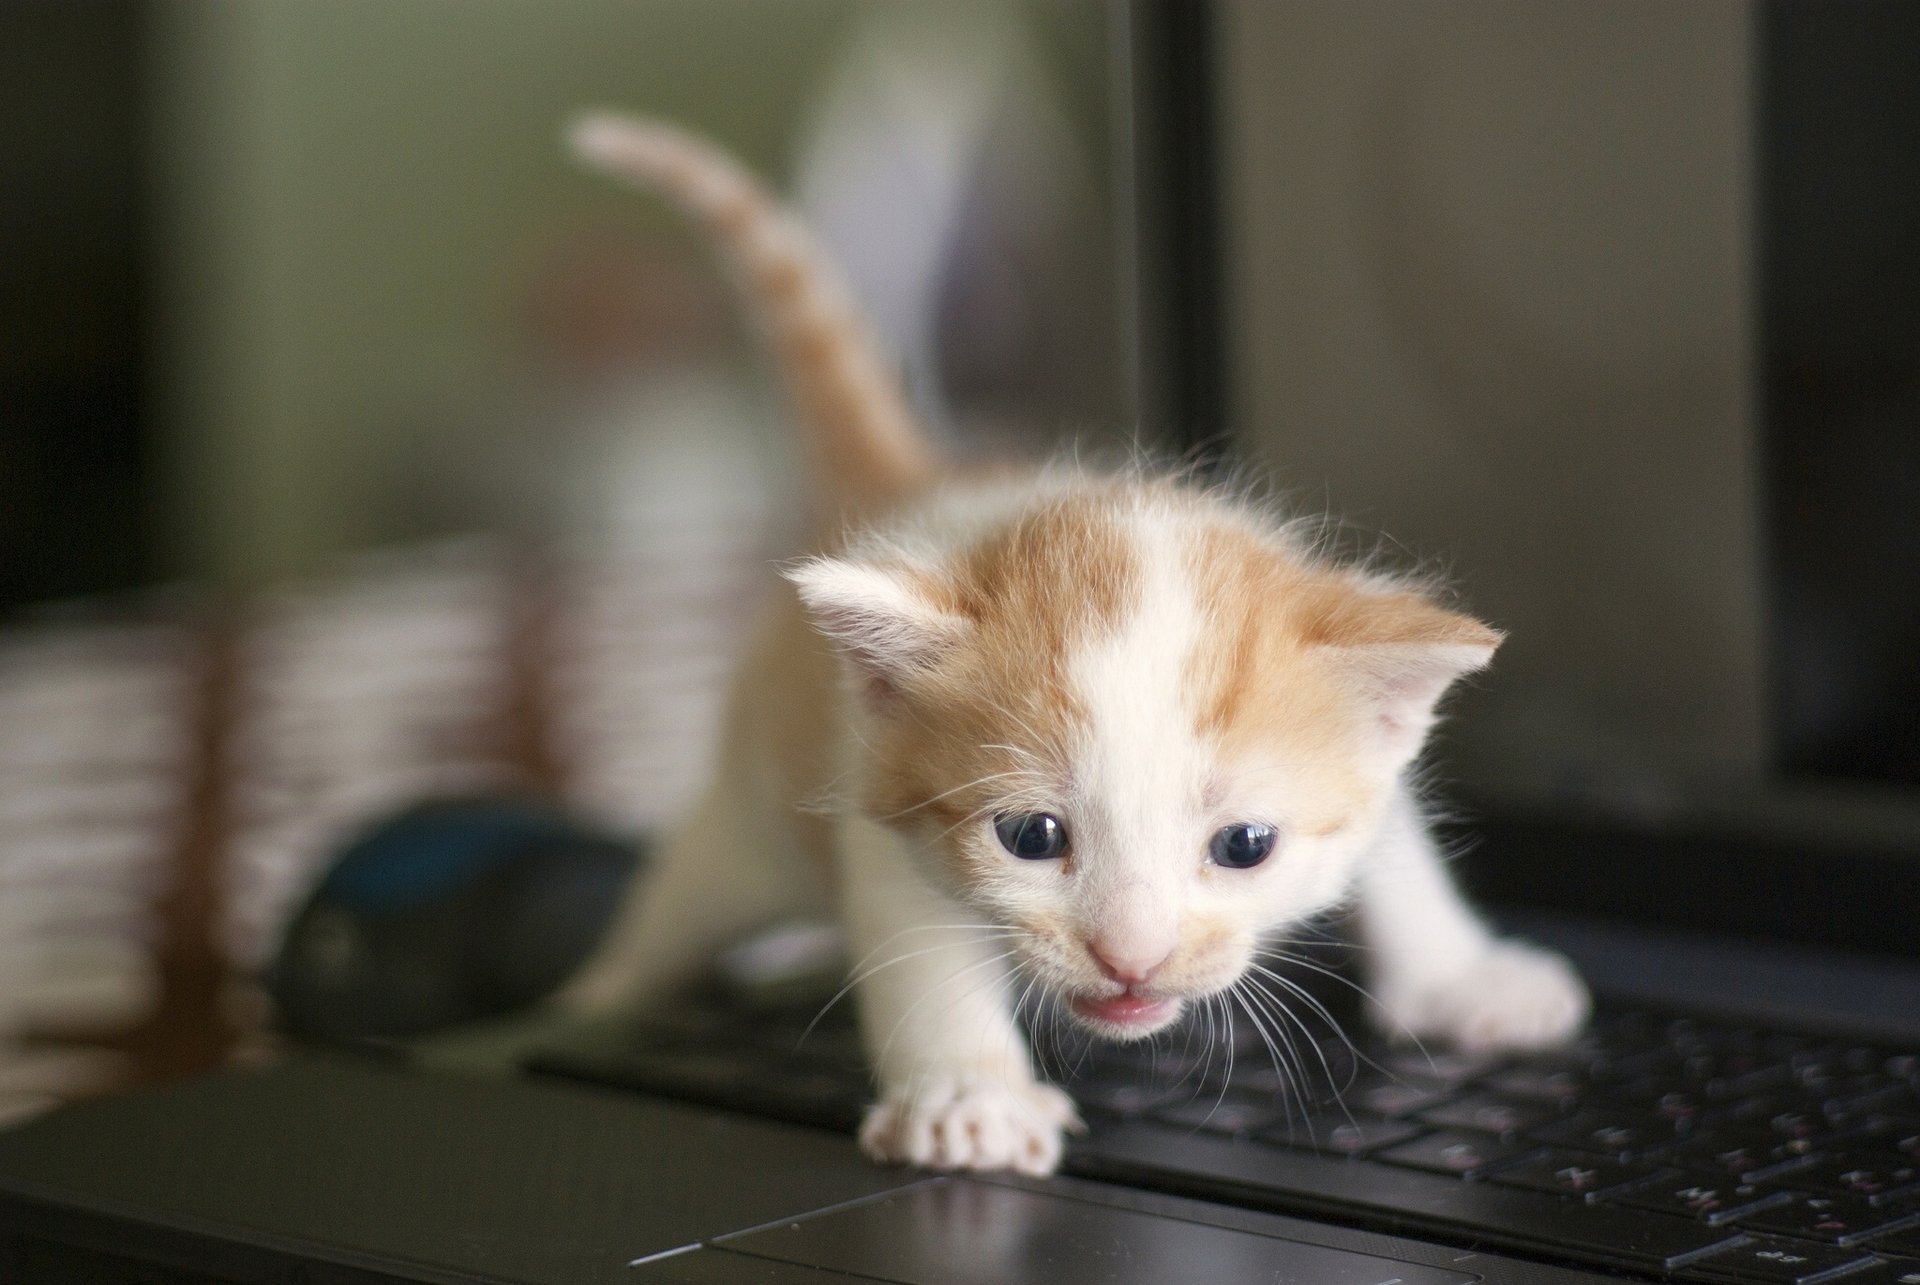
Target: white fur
{"type": "Point", "coordinates": [950, 1061]}
{"type": "Point", "coordinates": [873, 613]}
{"type": "Point", "coordinates": [1437, 972]}
{"type": "Point", "coordinates": [1135, 922]}
{"type": "Point", "coordinates": [1407, 682]}
{"type": "Point", "coordinates": [1140, 772]}
{"type": "Point", "coordinates": [941, 966]}
{"type": "Point", "coordinates": [738, 838]}
{"type": "Point", "coordinates": [956, 1086]}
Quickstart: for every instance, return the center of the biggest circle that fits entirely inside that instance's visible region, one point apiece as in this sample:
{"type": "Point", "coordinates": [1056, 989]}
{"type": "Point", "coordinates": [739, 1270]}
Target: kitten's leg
{"type": "Point", "coordinates": [731, 866]}
{"type": "Point", "coordinates": [1437, 970]}
{"type": "Point", "coordinates": [957, 1089]}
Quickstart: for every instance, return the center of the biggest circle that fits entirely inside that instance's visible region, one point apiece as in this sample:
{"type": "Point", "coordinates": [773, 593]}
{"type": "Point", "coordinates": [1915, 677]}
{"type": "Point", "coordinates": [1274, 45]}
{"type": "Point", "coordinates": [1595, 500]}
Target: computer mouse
{"type": "Point", "coordinates": [448, 911]}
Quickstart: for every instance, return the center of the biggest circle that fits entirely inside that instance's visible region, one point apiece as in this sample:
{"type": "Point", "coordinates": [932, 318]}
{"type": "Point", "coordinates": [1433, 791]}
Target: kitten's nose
{"type": "Point", "coordinates": [1129, 963]}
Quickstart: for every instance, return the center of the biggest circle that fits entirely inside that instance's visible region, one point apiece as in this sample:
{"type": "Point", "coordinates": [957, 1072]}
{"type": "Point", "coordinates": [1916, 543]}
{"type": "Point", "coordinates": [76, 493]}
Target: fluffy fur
{"type": "Point", "coordinates": [1148, 662]}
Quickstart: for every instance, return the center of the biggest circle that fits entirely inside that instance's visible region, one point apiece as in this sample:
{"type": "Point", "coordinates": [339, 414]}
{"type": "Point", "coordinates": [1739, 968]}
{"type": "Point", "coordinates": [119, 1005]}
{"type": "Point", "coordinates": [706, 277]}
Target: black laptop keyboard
{"type": "Point", "coordinates": [1659, 1146]}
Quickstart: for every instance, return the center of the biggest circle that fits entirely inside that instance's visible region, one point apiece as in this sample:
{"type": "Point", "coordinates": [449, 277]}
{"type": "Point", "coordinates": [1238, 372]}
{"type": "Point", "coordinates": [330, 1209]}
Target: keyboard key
{"type": "Point", "coordinates": [1573, 1173]}
{"type": "Point", "coordinates": [1251, 1076]}
{"type": "Point", "coordinates": [1397, 1097]}
{"type": "Point", "coordinates": [1439, 1066]}
{"type": "Point", "coordinates": [1846, 1176]}
{"type": "Point", "coordinates": [1713, 1203]}
{"type": "Point", "coordinates": [1902, 1136]}
{"type": "Point", "coordinates": [1868, 1102]}
{"type": "Point", "coordinates": [1767, 1261]}
{"type": "Point", "coordinates": [1837, 1220]}
{"type": "Point", "coordinates": [1123, 1096]}
{"type": "Point", "coordinates": [1620, 1134]}
{"type": "Point", "coordinates": [1594, 1233]}
{"type": "Point", "coordinates": [1468, 1155]}
{"type": "Point", "coordinates": [1537, 1083]}
{"type": "Point", "coordinates": [1490, 1113]}
{"type": "Point", "coordinates": [1749, 1080]}
{"type": "Point", "coordinates": [1682, 1109]}
{"type": "Point", "coordinates": [1721, 1156]}
{"type": "Point", "coordinates": [1786, 1135]}
{"type": "Point", "coordinates": [1905, 1241]}
{"type": "Point", "coordinates": [1888, 1271]}
{"type": "Point", "coordinates": [1335, 1134]}
{"type": "Point", "coordinates": [1603, 1233]}
{"type": "Point", "coordinates": [1214, 1114]}
{"type": "Point", "coordinates": [1800, 1126]}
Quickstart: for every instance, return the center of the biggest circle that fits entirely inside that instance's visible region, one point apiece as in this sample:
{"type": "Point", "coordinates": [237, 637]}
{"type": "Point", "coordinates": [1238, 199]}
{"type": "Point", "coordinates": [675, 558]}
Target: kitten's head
{"type": "Point", "coordinates": [1135, 724]}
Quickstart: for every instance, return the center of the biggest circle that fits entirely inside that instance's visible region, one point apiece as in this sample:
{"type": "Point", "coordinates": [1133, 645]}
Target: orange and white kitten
{"type": "Point", "coordinates": [1097, 735]}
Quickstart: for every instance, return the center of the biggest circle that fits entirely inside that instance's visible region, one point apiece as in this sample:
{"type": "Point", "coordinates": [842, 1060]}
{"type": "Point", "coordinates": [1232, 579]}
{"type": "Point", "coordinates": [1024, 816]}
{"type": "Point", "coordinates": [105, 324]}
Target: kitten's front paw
{"type": "Point", "coordinates": [1512, 996]}
{"type": "Point", "coordinates": [965, 1121]}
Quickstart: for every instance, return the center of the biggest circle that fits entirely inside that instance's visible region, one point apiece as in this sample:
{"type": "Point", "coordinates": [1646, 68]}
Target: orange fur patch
{"type": "Point", "coordinates": [1263, 679]}
{"type": "Point", "coordinates": [1034, 593]}
{"type": "Point", "coordinates": [1260, 681]}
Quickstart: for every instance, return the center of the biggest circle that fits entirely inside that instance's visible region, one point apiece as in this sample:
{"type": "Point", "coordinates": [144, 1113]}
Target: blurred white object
{"type": "Point", "coordinates": [940, 131]}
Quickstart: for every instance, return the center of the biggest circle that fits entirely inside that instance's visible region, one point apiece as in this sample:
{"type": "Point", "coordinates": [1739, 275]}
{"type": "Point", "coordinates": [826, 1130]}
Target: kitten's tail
{"type": "Point", "coordinates": [863, 443]}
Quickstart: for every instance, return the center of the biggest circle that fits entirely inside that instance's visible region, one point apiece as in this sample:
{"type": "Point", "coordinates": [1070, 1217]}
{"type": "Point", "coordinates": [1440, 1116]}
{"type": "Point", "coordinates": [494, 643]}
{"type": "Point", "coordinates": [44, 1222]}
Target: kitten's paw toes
{"type": "Point", "coordinates": [971, 1122]}
{"type": "Point", "coordinates": [1512, 997]}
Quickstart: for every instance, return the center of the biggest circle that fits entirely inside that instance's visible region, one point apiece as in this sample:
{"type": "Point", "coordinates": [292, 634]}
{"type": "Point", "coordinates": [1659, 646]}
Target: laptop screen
{"type": "Point", "coordinates": [1611, 313]}
{"type": "Point", "coordinates": [1839, 118]}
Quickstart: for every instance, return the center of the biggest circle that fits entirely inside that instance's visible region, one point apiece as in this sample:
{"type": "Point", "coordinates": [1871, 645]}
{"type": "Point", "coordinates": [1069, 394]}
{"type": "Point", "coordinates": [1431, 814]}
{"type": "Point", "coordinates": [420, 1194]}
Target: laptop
{"type": "Point", "coordinates": [1746, 1105]}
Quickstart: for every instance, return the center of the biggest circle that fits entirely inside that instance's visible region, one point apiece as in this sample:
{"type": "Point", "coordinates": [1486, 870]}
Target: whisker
{"type": "Point", "coordinates": [1226, 1080]}
{"type": "Point", "coordinates": [976, 966]}
{"type": "Point", "coordinates": [1256, 995]}
{"type": "Point", "coordinates": [1358, 989]}
{"type": "Point", "coordinates": [965, 785]}
{"type": "Point", "coordinates": [990, 932]}
{"type": "Point", "coordinates": [861, 972]}
{"type": "Point", "coordinates": [1308, 997]}
{"type": "Point", "coordinates": [1306, 1034]}
{"type": "Point", "coordinates": [1288, 1082]}
{"type": "Point", "coordinates": [1035, 1046]}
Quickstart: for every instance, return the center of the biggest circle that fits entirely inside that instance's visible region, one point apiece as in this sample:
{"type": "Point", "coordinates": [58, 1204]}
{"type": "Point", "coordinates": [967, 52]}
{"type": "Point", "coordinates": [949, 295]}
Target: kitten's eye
{"type": "Point", "coordinates": [1241, 846]}
{"type": "Point", "coordinates": [1031, 836]}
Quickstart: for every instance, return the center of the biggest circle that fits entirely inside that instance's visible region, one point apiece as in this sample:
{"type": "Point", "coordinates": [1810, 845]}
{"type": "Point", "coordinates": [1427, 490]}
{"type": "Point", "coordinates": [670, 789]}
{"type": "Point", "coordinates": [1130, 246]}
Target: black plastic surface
{"type": "Point", "coordinates": [968, 1232]}
{"type": "Point", "coordinates": [1559, 1157]}
{"type": "Point", "coordinates": [329, 1171]}
{"type": "Point", "coordinates": [375, 1172]}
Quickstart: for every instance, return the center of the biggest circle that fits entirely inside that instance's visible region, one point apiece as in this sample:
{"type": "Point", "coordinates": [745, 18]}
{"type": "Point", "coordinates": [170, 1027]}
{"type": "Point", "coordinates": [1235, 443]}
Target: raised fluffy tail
{"type": "Point", "coordinates": [863, 443]}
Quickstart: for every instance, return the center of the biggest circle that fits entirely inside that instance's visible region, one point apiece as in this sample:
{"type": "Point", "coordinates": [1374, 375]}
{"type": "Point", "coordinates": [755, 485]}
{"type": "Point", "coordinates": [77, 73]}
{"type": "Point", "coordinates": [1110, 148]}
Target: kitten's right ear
{"type": "Point", "coordinates": [886, 616]}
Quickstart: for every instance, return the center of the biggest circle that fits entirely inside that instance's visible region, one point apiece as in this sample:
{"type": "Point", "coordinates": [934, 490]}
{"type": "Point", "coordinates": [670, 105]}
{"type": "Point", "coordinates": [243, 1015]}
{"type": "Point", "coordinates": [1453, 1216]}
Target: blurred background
{"type": "Point", "coordinates": [470, 467]}
{"type": "Point", "coordinates": [290, 279]}
{"type": "Point", "coordinates": [357, 448]}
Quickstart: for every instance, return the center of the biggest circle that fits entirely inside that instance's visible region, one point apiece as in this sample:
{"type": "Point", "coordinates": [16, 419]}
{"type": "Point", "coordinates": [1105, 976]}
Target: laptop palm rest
{"type": "Point", "coordinates": [965, 1231]}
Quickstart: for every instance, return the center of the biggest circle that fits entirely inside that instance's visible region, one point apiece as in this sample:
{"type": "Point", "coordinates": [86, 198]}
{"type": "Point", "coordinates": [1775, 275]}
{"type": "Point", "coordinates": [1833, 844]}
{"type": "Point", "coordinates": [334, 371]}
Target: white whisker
{"type": "Point", "coordinates": [886, 1046]}
{"type": "Point", "coordinates": [861, 971]}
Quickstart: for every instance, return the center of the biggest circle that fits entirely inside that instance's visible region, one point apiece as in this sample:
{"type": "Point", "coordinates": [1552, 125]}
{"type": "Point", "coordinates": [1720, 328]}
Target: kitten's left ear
{"type": "Point", "coordinates": [887, 616]}
{"type": "Point", "coordinates": [1403, 652]}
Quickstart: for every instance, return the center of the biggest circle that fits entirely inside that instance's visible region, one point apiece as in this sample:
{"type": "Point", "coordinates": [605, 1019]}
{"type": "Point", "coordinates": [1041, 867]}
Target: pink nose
{"type": "Point", "coordinates": [1125, 963]}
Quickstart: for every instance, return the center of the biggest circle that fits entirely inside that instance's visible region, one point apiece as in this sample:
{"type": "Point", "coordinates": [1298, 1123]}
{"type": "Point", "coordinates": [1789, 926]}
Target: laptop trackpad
{"type": "Point", "coordinates": [958, 1231]}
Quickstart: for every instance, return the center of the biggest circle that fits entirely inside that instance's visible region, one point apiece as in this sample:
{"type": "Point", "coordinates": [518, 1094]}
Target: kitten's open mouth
{"type": "Point", "coordinates": [1126, 1011]}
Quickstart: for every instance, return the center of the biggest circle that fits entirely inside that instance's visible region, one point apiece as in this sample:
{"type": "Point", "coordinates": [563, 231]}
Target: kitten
{"type": "Point", "coordinates": [1089, 737]}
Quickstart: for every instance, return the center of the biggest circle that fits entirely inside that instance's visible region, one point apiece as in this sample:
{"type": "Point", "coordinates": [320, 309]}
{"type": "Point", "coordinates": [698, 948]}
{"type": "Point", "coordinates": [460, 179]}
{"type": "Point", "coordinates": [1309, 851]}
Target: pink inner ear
{"type": "Point", "coordinates": [879, 690]}
{"type": "Point", "coordinates": [1405, 681]}
{"type": "Point", "coordinates": [1403, 651]}
{"type": "Point", "coordinates": [882, 615]}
